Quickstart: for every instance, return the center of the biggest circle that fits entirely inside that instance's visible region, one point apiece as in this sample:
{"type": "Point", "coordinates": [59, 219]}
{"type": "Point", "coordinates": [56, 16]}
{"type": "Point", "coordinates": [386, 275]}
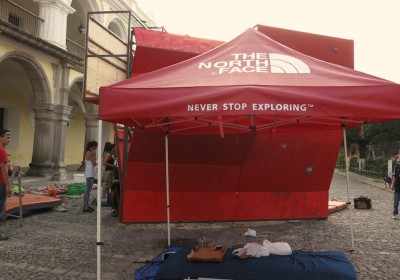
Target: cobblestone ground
{"type": "Point", "coordinates": [62, 245]}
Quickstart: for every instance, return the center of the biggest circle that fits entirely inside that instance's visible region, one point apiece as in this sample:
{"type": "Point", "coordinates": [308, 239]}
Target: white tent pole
{"type": "Point", "coordinates": [348, 183]}
{"type": "Point", "coordinates": [99, 165]}
{"type": "Point", "coordinates": [167, 188]}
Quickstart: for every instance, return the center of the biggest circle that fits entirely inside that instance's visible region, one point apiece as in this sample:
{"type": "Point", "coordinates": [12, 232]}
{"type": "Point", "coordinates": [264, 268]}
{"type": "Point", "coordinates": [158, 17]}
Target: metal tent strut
{"type": "Point", "coordinates": [348, 184]}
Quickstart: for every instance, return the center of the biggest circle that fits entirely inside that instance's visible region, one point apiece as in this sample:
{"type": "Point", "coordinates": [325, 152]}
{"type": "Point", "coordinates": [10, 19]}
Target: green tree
{"type": "Point", "coordinates": [357, 135]}
{"type": "Point", "coordinates": [383, 136]}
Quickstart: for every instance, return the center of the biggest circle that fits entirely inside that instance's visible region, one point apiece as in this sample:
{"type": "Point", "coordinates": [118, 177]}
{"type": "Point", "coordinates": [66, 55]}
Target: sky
{"type": "Point", "coordinates": [373, 25]}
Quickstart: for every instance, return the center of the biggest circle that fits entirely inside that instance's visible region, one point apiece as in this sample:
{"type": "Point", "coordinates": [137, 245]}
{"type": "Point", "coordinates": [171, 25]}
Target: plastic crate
{"type": "Point", "coordinates": [76, 189]}
{"type": "Point", "coordinates": [83, 187]}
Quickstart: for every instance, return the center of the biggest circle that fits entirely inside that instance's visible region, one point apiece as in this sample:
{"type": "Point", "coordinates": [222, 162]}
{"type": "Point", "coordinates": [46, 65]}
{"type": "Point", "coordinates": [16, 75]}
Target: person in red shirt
{"type": "Point", "coordinates": [5, 184]}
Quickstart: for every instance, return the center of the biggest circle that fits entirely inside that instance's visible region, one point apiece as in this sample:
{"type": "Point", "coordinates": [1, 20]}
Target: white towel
{"type": "Point", "coordinates": [257, 250]}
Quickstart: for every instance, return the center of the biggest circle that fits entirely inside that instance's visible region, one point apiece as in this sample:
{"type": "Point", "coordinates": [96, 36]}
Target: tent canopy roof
{"type": "Point", "coordinates": [255, 79]}
{"type": "Point", "coordinates": [330, 49]}
{"type": "Point", "coordinates": [155, 50]}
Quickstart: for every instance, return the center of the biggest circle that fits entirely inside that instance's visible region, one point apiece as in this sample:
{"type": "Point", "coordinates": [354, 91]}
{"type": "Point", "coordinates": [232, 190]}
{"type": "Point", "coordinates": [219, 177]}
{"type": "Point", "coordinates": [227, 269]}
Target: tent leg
{"type": "Point", "coordinates": [348, 183]}
{"type": "Point", "coordinates": [98, 237]}
{"type": "Point", "coordinates": [167, 188]}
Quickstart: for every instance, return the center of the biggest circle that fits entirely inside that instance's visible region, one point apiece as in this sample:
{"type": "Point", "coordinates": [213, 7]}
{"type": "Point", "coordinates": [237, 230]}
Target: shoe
{"type": "Point", "coordinates": [114, 213]}
{"type": "Point", "coordinates": [87, 210]}
{"type": "Point", "coordinates": [395, 217]}
{"type": "Point", "coordinates": [94, 202]}
{"type": "Point", "coordinates": [3, 237]}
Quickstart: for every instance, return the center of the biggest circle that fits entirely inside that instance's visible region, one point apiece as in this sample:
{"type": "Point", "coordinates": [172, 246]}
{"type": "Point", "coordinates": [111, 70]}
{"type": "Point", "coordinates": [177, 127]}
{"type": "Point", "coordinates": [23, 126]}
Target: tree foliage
{"type": "Point", "coordinates": [383, 136]}
{"type": "Point", "coordinates": [352, 135]}
{"type": "Point", "coordinates": [356, 135]}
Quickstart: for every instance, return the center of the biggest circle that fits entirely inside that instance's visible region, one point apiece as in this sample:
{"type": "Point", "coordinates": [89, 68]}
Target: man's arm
{"type": "Point", "coordinates": [393, 182]}
{"type": "Point", "coordinates": [4, 173]}
{"type": "Point", "coordinates": [93, 158]}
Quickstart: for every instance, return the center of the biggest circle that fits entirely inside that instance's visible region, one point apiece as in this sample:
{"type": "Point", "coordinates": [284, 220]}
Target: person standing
{"type": "Point", "coordinates": [114, 196]}
{"type": "Point", "coordinates": [396, 188]}
{"type": "Point", "coordinates": [103, 155]}
{"type": "Point", "coordinates": [5, 184]}
{"type": "Point", "coordinates": [109, 165]}
{"type": "Point", "coordinates": [90, 164]}
{"type": "Point", "coordinates": [388, 179]}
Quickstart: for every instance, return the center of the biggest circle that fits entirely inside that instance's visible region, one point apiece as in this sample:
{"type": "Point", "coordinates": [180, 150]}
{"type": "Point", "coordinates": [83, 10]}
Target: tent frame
{"type": "Point", "coordinates": [216, 121]}
{"type": "Point", "coordinates": [348, 186]}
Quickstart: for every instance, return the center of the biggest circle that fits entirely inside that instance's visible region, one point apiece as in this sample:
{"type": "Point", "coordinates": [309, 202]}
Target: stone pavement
{"type": "Point", "coordinates": [62, 245]}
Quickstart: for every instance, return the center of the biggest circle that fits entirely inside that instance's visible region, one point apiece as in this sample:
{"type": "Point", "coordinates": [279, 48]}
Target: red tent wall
{"type": "Point", "coordinates": [238, 177]}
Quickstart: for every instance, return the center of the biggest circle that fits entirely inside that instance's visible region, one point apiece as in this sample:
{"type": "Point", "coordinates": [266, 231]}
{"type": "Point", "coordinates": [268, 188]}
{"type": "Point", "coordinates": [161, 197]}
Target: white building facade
{"type": "Point", "coordinates": [42, 48]}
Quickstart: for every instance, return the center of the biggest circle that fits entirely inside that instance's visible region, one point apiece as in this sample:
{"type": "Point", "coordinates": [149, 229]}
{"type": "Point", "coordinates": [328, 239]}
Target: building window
{"type": "Point", "coordinates": [14, 19]}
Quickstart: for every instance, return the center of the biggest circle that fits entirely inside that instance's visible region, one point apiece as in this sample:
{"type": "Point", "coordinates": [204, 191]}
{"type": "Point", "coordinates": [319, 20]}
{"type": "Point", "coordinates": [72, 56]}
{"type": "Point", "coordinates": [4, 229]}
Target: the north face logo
{"type": "Point", "coordinates": [257, 62]}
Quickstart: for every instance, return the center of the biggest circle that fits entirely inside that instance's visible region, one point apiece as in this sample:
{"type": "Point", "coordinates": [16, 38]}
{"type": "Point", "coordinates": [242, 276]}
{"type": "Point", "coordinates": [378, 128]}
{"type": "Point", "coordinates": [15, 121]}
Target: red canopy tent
{"type": "Point", "coordinates": [252, 131]}
{"type": "Point", "coordinates": [245, 71]}
{"type": "Point", "coordinates": [155, 49]}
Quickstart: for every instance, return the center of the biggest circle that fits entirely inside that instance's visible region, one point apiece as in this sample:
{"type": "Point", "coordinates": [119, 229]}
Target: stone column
{"type": "Point", "coordinates": [54, 27]}
{"type": "Point", "coordinates": [92, 127]}
{"type": "Point", "coordinates": [43, 142]}
{"type": "Point", "coordinates": [62, 120]}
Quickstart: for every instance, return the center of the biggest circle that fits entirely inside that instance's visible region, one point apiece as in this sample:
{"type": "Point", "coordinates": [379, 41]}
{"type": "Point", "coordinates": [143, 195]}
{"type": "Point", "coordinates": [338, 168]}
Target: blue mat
{"type": "Point", "coordinates": [301, 265]}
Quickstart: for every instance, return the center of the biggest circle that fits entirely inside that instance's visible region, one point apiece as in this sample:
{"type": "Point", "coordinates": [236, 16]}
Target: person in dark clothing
{"type": "Point", "coordinates": [113, 198]}
{"type": "Point", "coordinates": [109, 166]}
{"type": "Point", "coordinates": [389, 178]}
{"type": "Point", "coordinates": [396, 188]}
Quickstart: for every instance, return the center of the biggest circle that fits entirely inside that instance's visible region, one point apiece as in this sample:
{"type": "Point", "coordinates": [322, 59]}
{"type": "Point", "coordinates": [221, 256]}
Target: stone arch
{"type": "Point", "coordinates": [77, 21]}
{"type": "Point", "coordinates": [75, 95]}
{"type": "Point", "coordinates": [18, 80]}
{"type": "Point", "coordinates": [92, 6]}
{"type": "Point", "coordinates": [83, 7]}
{"type": "Point", "coordinates": [117, 26]}
{"type": "Point", "coordinates": [35, 73]}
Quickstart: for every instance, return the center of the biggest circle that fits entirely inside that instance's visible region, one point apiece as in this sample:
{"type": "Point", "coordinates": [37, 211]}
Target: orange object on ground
{"type": "Point", "coordinates": [335, 206]}
{"type": "Point", "coordinates": [30, 202]}
{"type": "Point", "coordinates": [207, 254]}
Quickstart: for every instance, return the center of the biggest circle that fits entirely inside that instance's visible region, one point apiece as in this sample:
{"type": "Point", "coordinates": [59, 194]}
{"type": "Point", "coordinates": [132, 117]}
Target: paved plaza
{"type": "Point", "coordinates": [62, 245]}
